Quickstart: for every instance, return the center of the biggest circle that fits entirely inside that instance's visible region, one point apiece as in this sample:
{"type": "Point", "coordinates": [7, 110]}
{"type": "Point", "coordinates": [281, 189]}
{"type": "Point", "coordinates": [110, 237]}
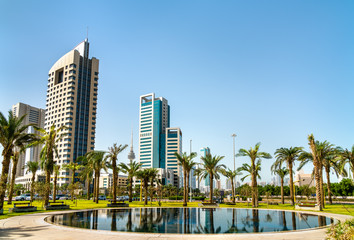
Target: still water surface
{"type": "Point", "coordinates": [190, 220]}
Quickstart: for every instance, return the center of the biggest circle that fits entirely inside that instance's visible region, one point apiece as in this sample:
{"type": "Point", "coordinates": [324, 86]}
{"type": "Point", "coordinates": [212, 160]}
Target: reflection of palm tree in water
{"type": "Point", "coordinates": [94, 219]}
{"type": "Point", "coordinates": [255, 220]}
{"type": "Point", "coordinates": [233, 228]}
{"type": "Point", "coordinates": [129, 222]}
{"type": "Point", "coordinates": [285, 228]}
{"type": "Point", "coordinates": [147, 221]}
{"type": "Point", "coordinates": [293, 219]}
{"type": "Point", "coordinates": [209, 223]}
{"type": "Point", "coordinates": [114, 221]}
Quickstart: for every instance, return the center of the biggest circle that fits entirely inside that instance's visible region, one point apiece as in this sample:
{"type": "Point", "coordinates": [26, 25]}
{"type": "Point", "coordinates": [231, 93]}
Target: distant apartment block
{"type": "Point", "coordinates": [34, 116]}
{"type": "Point", "coordinates": [72, 102]}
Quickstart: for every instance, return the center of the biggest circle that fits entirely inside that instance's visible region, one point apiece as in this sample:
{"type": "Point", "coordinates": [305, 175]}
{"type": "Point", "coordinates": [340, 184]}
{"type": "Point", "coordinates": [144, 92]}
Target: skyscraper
{"type": "Point", "coordinates": [72, 101]}
{"type": "Point", "coordinates": [33, 116]}
{"type": "Point", "coordinates": [154, 119]}
{"type": "Point", "coordinates": [204, 152]}
{"type": "Point", "coordinates": [174, 145]}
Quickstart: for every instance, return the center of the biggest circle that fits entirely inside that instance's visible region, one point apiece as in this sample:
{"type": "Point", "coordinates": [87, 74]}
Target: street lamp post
{"type": "Point", "coordinates": [190, 177]}
{"type": "Point", "coordinates": [234, 155]}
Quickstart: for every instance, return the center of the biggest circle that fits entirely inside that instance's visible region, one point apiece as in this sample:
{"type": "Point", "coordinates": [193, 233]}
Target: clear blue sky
{"type": "Point", "coordinates": [269, 71]}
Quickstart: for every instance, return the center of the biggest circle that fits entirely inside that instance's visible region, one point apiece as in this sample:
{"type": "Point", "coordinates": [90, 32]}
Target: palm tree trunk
{"type": "Point", "coordinates": [291, 183]}
{"type": "Point", "coordinates": [185, 188]}
{"type": "Point", "coordinates": [88, 187]}
{"type": "Point", "coordinates": [318, 185]}
{"type": "Point", "coordinates": [94, 189]}
{"type": "Point", "coordinates": [32, 185]}
{"type": "Point", "coordinates": [322, 190]}
{"type": "Point", "coordinates": [232, 190]}
{"type": "Point", "coordinates": [55, 187]}
{"type": "Point", "coordinates": [187, 191]}
{"type": "Point", "coordinates": [73, 182]}
{"type": "Point", "coordinates": [97, 186]}
{"type": "Point", "coordinates": [211, 187]}
{"type": "Point", "coordinates": [114, 167]}
{"type": "Point", "coordinates": [47, 188]}
{"type": "Point", "coordinates": [4, 173]}
{"type": "Point", "coordinates": [145, 192]}
{"type": "Point", "coordinates": [329, 185]}
{"type": "Point", "coordinates": [130, 189]}
{"type": "Point", "coordinates": [13, 176]}
{"type": "Point", "coordinates": [254, 188]}
{"type": "Point", "coordinates": [282, 190]}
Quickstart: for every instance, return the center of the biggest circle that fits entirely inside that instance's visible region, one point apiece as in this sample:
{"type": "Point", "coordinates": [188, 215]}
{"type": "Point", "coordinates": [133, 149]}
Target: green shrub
{"type": "Point", "coordinates": [198, 198]}
{"type": "Point", "coordinates": [175, 198]}
{"type": "Point", "coordinates": [341, 231]}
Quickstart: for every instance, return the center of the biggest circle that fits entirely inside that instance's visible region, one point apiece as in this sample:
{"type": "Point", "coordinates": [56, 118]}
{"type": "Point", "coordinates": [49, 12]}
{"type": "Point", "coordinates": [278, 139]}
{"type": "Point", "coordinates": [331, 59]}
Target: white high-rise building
{"type": "Point", "coordinates": [154, 118]}
{"type": "Point", "coordinates": [72, 102]}
{"type": "Point", "coordinates": [174, 145]}
{"type": "Point", "coordinates": [34, 116]}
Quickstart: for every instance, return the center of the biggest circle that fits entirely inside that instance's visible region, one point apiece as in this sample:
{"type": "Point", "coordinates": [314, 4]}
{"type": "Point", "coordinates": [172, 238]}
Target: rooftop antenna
{"type": "Point", "coordinates": [87, 32]}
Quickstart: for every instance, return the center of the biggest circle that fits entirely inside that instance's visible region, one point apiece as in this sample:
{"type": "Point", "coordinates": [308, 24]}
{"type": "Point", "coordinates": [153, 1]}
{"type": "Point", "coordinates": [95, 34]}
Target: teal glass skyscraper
{"type": "Point", "coordinates": [153, 120]}
{"type": "Point", "coordinates": [204, 152]}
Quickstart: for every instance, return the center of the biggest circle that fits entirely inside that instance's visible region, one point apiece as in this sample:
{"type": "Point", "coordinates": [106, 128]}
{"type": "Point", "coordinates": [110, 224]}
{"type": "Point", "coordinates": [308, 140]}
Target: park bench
{"type": "Point", "coordinates": [307, 206]}
{"type": "Point", "coordinates": [208, 204]}
{"type": "Point", "coordinates": [57, 205]}
{"type": "Point", "coordinates": [117, 203]}
{"type": "Point", "coordinates": [23, 207]}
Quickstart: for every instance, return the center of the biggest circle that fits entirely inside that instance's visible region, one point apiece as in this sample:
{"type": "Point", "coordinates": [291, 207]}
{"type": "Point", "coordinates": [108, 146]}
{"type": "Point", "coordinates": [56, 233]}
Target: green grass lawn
{"type": "Point", "coordinates": [89, 204]}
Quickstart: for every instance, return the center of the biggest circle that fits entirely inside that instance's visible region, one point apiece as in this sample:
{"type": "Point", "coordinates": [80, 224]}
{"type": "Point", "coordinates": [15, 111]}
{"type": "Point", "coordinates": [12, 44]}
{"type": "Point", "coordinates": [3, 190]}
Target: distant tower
{"type": "Point", "coordinates": [131, 155]}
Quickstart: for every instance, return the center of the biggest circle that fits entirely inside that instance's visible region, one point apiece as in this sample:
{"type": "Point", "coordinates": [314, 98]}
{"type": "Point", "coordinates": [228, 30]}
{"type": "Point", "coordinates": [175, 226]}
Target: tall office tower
{"type": "Point", "coordinates": [174, 144]}
{"type": "Point", "coordinates": [154, 119]}
{"type": "Point", "coordinates": [72, 102]}
{"type": "Point", "coordinates": [205, 151]}
{"type": "Point", "coordinates": [33, 116]}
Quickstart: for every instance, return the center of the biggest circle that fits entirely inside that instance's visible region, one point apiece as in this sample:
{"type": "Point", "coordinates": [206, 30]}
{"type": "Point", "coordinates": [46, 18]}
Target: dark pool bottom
{"type": "Point", "coordinates": [190, 220]}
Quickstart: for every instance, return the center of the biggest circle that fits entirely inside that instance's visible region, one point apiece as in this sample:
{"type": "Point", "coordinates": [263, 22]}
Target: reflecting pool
{"type": "Point", "coordinates": [190, 220]}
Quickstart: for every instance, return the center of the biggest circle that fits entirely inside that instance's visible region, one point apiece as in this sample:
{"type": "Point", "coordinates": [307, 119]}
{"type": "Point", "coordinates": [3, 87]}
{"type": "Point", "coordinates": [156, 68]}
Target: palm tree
{"type": "Point", "coordinates": [187, 164]}
{"type": "Point", "coordinates": [198, 173]}
{"type": "Point", "coordinates": [329, 158]}
{"type": "Point", "coordinates": [212, 168]}
{"type": "Point", "coordinates": [113, 156]}
{"type": "Point", "coordinates": [250, 172]}
{"type": "Point", "coordinates": [98, 161]}
{"type": "Point", "coordinates": [50, 140]}
{"type": "Point", "coordinates": [288, 156]}
{"type": "Point", "coordinates": [130, 169]}
{"type": "Point", "coordinates": [33, 168]}
{"type": "Point", "coordinates": [12, 134]}
{"type": "Point", "coordinates": [74, 167]}
{"type": "Point", "coordinates": [153, 178]}
{"type": "Point", "coordinates": [56, 169]}
{"type": "Point", "coordinates": [190, 164]}
{"type": "Point", "coordinates": [281, 172]}
{"type": "Point", "coordinates": [317, 165]}
{"type": "Point", "coordinates": [332, 161]}
{"type": "Point", "coordinates": [231, 175]}
{"type": "Point", "coordinates": [348, 156]}
{"type": "Point", "coordinates": [144, 176]}
{"type": "Point", "coordinates": [87, 173]}
{"type": "Point", "coordinates": [254, 154]}
{"type": "Point", "coordinates": [15, 157]}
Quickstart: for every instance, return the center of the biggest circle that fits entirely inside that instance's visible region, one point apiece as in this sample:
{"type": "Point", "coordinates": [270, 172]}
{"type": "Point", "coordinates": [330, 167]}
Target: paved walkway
{"type": "Point", "coordinates": [34, 227]}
